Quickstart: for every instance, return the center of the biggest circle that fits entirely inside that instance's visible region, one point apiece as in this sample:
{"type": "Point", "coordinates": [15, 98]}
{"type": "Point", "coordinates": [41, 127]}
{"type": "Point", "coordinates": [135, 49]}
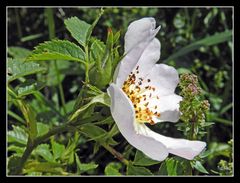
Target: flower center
{"type": "Point", "coordinates": [140, 97]}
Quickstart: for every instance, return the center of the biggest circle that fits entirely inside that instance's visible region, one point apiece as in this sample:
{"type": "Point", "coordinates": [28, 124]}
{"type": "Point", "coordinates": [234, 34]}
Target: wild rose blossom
{"type": "Point", "coordinates": [143, 92]}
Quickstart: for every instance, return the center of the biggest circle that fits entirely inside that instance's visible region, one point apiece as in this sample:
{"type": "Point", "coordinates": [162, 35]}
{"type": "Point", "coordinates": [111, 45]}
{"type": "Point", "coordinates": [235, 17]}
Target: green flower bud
{"type": "Point", "coordinates": [101, 73]}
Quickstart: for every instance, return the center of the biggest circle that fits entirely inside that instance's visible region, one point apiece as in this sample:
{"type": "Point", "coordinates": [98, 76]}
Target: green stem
{"type": "Point", "coordinates": [51, 28]}
{"type": "Point", "coordinates": [60, 88]}
{"type": "Point", "coordinates": [33, 144]}
{"type": "Point", "coordinates": [189, 169]}
{"type": "Point", "coordinates": [223, 121]}
{"type": "Point", "coordinates": [11, 92]}
{"type": "Point", "coordinates": [26, 154]}
{"type": "Point", "coordinates": [86, 65]}
{"type": "Point", "coordinates": [192, 136]}
{"type": "Point", "coordinates": [193, 121]}
{"type": "Point", "coordinates": [67, 126]}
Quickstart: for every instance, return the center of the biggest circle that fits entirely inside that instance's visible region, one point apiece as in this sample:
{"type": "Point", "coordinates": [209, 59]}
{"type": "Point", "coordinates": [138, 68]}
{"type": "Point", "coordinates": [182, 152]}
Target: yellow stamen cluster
{"type": "Point", "coordinates": [140, 96]}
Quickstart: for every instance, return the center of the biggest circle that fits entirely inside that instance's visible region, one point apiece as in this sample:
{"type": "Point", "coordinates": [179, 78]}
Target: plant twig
{"type": "Point", "coordinates": [31, 145]}
{"type": "Point", "coordinates": [86, 64]}
{"type": "Point", "coordinates": [115, 153]}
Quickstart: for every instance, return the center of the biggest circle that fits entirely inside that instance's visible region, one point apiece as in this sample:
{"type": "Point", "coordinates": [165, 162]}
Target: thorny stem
{"type": "Point", "coordinates": [68, 126]}
{"type": "Point", "coordinates": [116, 154]}
{"type": "Point", "coordinates": [31, 145]}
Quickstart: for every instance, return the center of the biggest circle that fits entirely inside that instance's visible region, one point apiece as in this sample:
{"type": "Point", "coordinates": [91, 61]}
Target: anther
{"type": "Point", "coordinates": [152, 122]}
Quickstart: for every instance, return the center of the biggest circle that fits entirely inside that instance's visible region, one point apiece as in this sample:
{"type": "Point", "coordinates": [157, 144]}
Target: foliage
{"type": "Point", "coordinates": [59, 121]}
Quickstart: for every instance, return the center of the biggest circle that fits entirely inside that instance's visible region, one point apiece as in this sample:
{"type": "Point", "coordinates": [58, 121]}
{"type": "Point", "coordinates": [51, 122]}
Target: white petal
{"type": "Point", "coordinates": [123, 113]}
{"type": "Point", "coordinates": [181, 147]}
{"type": "Point", "coordinates": [167, 106]}
{"type": "Point", "coordinates": [148, 59]}
{"type": "Point", "coordinates": [139, 35]}
{"type": "Point", "coordinates": [164, 78]}
{"type": "Point", "coordinates": [139, 31]}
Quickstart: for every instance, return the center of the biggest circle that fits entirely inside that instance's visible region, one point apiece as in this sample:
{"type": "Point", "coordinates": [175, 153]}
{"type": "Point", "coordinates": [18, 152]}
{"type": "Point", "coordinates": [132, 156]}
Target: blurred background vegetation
{"type": "Point", "coordinates": [180, 27]}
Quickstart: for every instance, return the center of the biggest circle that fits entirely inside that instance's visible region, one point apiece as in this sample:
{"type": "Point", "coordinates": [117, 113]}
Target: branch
{"type": "Point", "coordinates": [115, 153]}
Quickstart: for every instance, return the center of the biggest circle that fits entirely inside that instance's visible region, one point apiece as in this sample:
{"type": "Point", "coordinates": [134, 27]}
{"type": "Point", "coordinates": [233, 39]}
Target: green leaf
{"type": "Point", "coordinates": [28, 87]}
{"type": "Point", "coordinates": [108, 120]}
{"type": "Point", "coordinates": [57, 50]}
{"type": "Point", "coordinates": [208, 41]}
{"type": "Point", "coordinates": [58, 149]}
{"type": "Point", "coordinates": [101, 73]}
{"type": "Point", "coordinates": [17, 68]}
{"type": "Point", "coordinates": [71, 148]}
{"type": "Point", "coordinates": [204, 154]}
{"type": "Point", "coordinates": [34, 173]}
{"type": "Point", "coordinates": [48, 167]}
{"type": "Point", "coordinates": [78, 29]}
{"type": "Point", "coordinates": [96, 133]}
{"type": "Point", "coordinates": [172, 166]}
{"type": "Point", "coordinates": [112, 169]}
{"type": "Point", "coordinates": [96, 147]}
{"type": "Point", "coordinates": [30, 117]}
{"type": "Point", "coordinates": [183, 70]}
{"type": "Point", "coordinates": [13, 164]}
{"type": "Point", "coordinates": [53, 74]}
{"type": "Point", "coordinates": [19, 150]}
{"type": "Point", "coordinates": [102, 98]}
{"type": "Point", "coordinates": [142, 160]}
{"type": "Point", "coordinates": [218, 149]}
{"type": "Point", "coordinates": [114, 131]}
{"type": "Point", "coordinates": [198, 165]}
{"type": "Point", "coordinates": [42, 128]}
{"type": "Point", "coordinates": [17, 135]}
{"type": "Point", "coordinates": [205, 124]}
{"type": "Point", "coordinates": [16, 116]}
{"type": "Point", "coordinates": [94, 90]}
{"type": "Point", "coordinates": [84, 167]}
{"type": "Point", "coordinates": [94, 24]}
{"type": "Point", "coordinates": [68, 106]}
{"type": "Point", "coordinates": [163, 169]}
{"type": "Point", "coordinates": [179, 21]}
{"type": "Point", "coordinates": [93, 131]}
{"type": "Point", "coordinates": [134, 170]}
{"type": "Point", "coordinates": [43, 150]}
{"type": "Point", "coordinates": [18, 52]}
{"type": "Point", "coordinates": [116, 37]}
{"type": "Point", "coordinates": [31, 37]}
{"type": "Point", "coordinates": [97, 49]}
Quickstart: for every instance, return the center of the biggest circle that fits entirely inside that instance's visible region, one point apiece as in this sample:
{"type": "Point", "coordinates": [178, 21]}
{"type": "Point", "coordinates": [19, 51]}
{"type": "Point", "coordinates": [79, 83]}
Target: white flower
{"type": "Point", "coordinates": [143, 92]}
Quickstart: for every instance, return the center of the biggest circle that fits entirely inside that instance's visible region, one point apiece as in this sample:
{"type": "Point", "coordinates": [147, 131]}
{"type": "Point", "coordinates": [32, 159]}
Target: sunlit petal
{"type": "Point", "coordinates": [167, 106]}
{"type": "Point", "coordinates": [163, 78]}
{"type": "Point", "coordinates": [124, 116]}
{"type": "Point", "coordinates": [135, 43]}
{"type": "Point", "coordinates": [181, 147]}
